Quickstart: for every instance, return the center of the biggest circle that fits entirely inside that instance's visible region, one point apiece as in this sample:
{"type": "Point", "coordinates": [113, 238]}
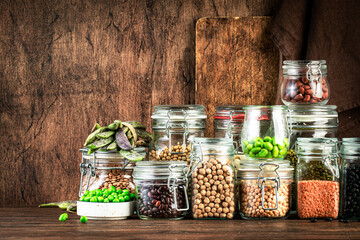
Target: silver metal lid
{"type": "Point", "coordinates": [152, 170]}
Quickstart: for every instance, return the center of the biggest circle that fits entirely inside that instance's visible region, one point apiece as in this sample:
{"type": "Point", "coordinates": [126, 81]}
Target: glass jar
{"type": "Point", "coordinates": [172, 126]}
{"type": "Point", "coordinates": [213, 178]}
{"type": "Point", "coordinates": [317, 178]}
{"type": "Point", "coordinates": [265, 132]}
{"type": "Point", "coordinates": [161, 190]}
{"type": "Point", "coordinates": [265, 189]}
{"type": "Point", "coordinates": [305, 82]}
{"type": "Point", "coordinates": [350, 178]}
{"type": "Point", "coordinates": [228, 122]}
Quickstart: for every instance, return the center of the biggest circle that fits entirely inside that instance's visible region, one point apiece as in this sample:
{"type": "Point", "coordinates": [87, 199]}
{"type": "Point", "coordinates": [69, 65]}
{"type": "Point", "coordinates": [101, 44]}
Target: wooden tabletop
{"type": "Point", "coordinates": [36, 223]}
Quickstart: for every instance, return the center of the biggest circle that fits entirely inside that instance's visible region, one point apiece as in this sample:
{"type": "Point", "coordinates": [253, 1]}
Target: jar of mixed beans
{"type": "Point", "coordinates": [265, 132]}
{"type": "Point", "coordinates": [228, 122]}
{"type": "Point", "coordinates": [350, 178]}
{"type": "Point", "coordinates": [172, 126]}
{"type": "Point", "coordinates": [305, 82]}
{"type": "Point", "coordinates": [213, 195]}
{"type": "Point", "coordinates": [265, 189]}
{"type": "Point", "coordinates": [161, 189]}
{"type": "Point", "coordinates": [318, 176]}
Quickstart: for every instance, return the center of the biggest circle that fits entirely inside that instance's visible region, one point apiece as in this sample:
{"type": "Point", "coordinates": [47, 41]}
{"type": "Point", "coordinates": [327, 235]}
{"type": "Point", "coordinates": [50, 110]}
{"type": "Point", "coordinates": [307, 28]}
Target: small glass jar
{"type": "Point", "coordinates": [172, 126]}
{"type": "Point", "coordinates": [161, 190]}
{"type": "Point", "coordinates": [265, 189]}
{"type": "Point", "coordinates": [265, 132]}
{"type": "Point", "coordinates": [350, 178]}
{"type": "Point", "coordinates": [213, 178]}
{"type": "Point", "coordinates": [317, 174]}
{"type": "Point", "coordinates": [304, 82]}
{"type": "Point", "coordinates": [228, 122]}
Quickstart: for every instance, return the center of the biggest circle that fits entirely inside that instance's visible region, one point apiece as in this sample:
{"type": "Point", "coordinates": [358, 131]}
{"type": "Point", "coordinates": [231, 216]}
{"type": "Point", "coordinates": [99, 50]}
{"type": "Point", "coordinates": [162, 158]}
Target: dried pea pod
{"type": "Point", "coordinates": [144, 134]}
{"type": "Point", "coordinates": [136, 125]}
{"type": "Point", "coordinates": [96, 126]}
{"type": "Point", "coordinates": [112, 146]}
{"type": "Point", "coordinates": [92, 137]}
{"type": "Point", "coordinates": [131, 155]}
{"type": "Point", "coordinates": [105, 134]}
{"type": "Point", "coordinates": [122, 140]}
{"type": "Point", "coordinates": [100, 143]}
{"type": "Point", "coordinates": [129, 135]}
{"type": "Point", "coordinates": [63, 205]}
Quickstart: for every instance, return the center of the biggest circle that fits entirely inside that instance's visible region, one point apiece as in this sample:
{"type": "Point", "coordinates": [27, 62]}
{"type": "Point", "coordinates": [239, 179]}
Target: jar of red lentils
{"type": "Point", "coordinates": [172, 126]}
{"type": "Point", "coordinates": [318, 187]}
{"type": "Point", "coordinates": [265, 189]}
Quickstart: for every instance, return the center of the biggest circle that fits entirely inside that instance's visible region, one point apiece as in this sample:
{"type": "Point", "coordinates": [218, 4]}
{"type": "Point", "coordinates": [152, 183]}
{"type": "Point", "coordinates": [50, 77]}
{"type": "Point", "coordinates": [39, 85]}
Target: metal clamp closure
{"type": "Point", "coordinates": [83, 166]}
{"type": "Point", "coordinates": [315, 78]}
{"type": "Point", "coordinates": [195, 159]}
{"type": "Point", "coordinates": [262, 180]}
{"type": "Point", "coordinates": [331, 157]}
{"type": "Point", "coordinates": [174, 184]}
{"type": "Point", "coordinates": [183, 126]}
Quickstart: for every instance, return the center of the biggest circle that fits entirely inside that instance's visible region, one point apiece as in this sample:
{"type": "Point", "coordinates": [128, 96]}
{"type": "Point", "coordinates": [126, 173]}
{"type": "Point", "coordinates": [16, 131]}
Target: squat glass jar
{"type": "Point", "coordinates": [305, 82]}
{"type": "Point", "coordinates": [172, 126]}
{"type": "Point", "coordinates": [161, 190]}
{"type": "Point", "coordinates": [265, 132]}
{"type": "Point", "coordinates": [317, 173]}
{"type": "Point", "coordinates": [265, 189]}
{"type": "Point", "coordinates": [350, 178]}
{"type": "Point", "coordinates": [213, 177]}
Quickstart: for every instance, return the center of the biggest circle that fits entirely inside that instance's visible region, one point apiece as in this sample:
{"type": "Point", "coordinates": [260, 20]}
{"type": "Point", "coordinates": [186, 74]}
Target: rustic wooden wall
{"type": "Point", "coordinates": [65, 64]}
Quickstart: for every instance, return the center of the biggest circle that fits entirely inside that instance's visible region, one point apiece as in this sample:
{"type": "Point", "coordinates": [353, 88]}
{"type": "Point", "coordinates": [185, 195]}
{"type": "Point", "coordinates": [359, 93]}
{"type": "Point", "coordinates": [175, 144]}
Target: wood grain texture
{"type": "Point", "coordinates": [66, 64]}
{"type": "Point", "coordinates": [35, 223]}
{"type": "Point", "coordinates": [236, 63]}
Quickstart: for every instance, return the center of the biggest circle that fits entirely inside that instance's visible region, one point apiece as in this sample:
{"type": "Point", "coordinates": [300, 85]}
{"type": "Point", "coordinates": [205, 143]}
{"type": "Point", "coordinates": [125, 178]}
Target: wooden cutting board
{"type": "Point", "coordinates": [237, 63]}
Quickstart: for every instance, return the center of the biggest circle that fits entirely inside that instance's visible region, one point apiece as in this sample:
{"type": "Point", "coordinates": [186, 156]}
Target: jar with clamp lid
{"type": "Point", "coordinates": [161, 190]}
{"type": "Point", "coordinates": [172, 126]}
{"type": "Point", "coordinates": [265, 189]}
{"type": "Point", "coordinates": [304, 82]}
{"type": "Point", "coordinates": [317, 177]}
{"type": "Point", "coordinates": [213, 177]}
{"type": "Point", "coordinates": [350, 178]}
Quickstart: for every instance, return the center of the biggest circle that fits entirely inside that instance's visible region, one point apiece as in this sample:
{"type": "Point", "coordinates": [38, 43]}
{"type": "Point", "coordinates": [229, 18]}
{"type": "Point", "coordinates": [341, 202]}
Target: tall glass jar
{"type": "Point", "coordinates": [265, 189]}
{"type": "Point", "coordinates": [350, 178]}
{"type": "Point", "coordinates": [228, 122]}
{"type": "Point", "coordinates": [172, 126]}
{"type": "Point", "coordinates": [161, 190]}
{"type": "Point", "coordinates": [265, 132]}
{"type": "Point", "coordinates": [318, 176]}
{"type": "Point", "coordinates": [305, 82]}
{"type": "Point", "coordinates": [213, 178]}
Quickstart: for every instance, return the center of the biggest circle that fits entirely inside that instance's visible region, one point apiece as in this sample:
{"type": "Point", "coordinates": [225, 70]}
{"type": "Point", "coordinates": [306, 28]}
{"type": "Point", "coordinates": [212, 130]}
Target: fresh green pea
{"type": "Point", "coordinates": [82, 198]}
{"type": "Point", "coordinates": [267, 139]}
{"type": "Point", "coordinates": [106, 200]}
{"type": "Point", "coordinates": [122, 199]}
{"type": "Point", "coordinates": [283, 152]}
{"type": "Point", "coordinates": [249, 147]}
{"type": "Point", "coordinates": [119, 191]}
{"type": "Point", "coordinates": [63, 217]}
{"type": "Point", "coordinates": [126, 192]}
{"type": "Point", "coordinates": [111, 198]}
{"type": "Point", "coordinates": [83, 219]}
{"type": "Point", "coordinates": [92, 193]}
{"type": "Point", "coordinates": [99, 192]}
{"type": "Point", "coordinates": [86, 192]}
{"type": "Point", "coordinates": [259, 144]}
{"type": "Point", "coordinates": [246, 142]}
{"type": "Point", "coordinates": [256, 150]}
{"type": "Point", "coordinates": [116, 200]}
{"type": "Point", "coordinates": [104, 189]}
{"type": "Point", "coordinates": [252, 155]}
{"type": "Point", "coordinates": [93, 199]}
{"type": "Point", "coordinates": [275, 152]}
{"type": "Point", "coordinates": [132, 196]}
{"type": "Point", "coordinates": [263, 153]}
{"type": "Point", "coordinates": [100, 199]}
{"type": "Point", "coordinates": [87, 199]}
{"type": "Point", "coordinates": [127, 198]}
{"type": "Point", "coordinates": [268, 146]}
{"type": "Point", "coordinates": [112, 189]}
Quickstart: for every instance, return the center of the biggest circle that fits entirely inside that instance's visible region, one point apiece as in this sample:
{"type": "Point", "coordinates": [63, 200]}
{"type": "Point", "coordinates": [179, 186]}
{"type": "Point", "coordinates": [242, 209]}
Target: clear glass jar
{"type": "Point", "coordinates": [265, 189]}
{"type": "Point", "coordinates": [172, 126]}
{"type": "Point", "coordinates": [228, 122]}
{"type": "Point", "coordinates": [213, 178]}
{"type": "Point", "coordinates": [305, 82]}
{"type": "Point", "coordinates": [265, 132]}
{"type": "Point", "coordinates": [161, 190]}
{"type": "Point", "coordinates": [317, 177]}
{"type": "Point", "coordinates": [350, 178]}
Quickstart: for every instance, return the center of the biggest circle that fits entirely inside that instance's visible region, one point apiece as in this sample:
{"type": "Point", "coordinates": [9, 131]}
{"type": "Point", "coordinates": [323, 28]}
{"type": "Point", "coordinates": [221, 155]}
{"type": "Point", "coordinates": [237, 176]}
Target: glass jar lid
{"type": "Point", "coordinates": [316, 146]}
{"type": "Point", "coordinates": [350, 146]}
{"type": "Point", "coordinates": [213, 146]}
{"type": "Point", "coordinates": [235, 113]}
{"type": "Point", "coordinates": [152, 170]}
{"type": "Point", "coordinates": [296, 67]}
{"type": "Point", "coordinates": [250, 169]}
{"type": "Point", "coordinates": [269, 107]}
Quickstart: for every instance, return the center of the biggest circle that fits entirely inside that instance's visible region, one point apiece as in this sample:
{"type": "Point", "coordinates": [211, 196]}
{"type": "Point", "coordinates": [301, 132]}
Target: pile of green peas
{"type": "Point", "coordinates": [108, 195]}
{"type": "Point", "coordinates": [266, 147]}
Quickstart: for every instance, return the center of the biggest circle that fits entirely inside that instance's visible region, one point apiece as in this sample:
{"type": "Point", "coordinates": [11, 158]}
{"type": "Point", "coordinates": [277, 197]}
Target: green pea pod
{"type": "Point", "coordinates": [268, 146]}
{"type": "Point", "coordinates": [283, 152]}
{"type": "Point", "coordinates": [267, 139]}
{"type": "Point", "coordinates": [249, 147]}
{"type": "Point", "coordinates": [105, 134]}
{"type": "Point", "coordinates": [256, 150]}
{"type": "Point", "coordinates": [112, 146]}
{"type": "Point", "coordinates": [136, 125]}
{"type": "Point", "coordinates": [100, 143]}
{"type": "Point", "coordinates": [131, 155]}
{"type": "Point", "coordinates": [129, 134]}
{"type": "Point", "coordinates": [263, 153]}
{"type": "Point", "coordinates": [259, 144]}
{"type": "Point", "coordinates": [275, 152]}
{"type": "Point", "coordinates": [63, 205]}
{"type": "Point", "coordinates": [113, 126]}
{"type": "Point", "coordinates": [92, 137]}
{"type": "Point", "coordinates": [96, 126]}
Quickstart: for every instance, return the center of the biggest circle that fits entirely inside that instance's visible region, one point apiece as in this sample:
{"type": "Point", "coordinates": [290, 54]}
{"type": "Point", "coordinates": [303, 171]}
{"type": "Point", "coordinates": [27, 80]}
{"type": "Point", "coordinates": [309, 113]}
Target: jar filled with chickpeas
{"type": "Point", "coordinates": [265, 189]}
{"type": "Point", "coordinates": [213, 179]}
{"type": "Point", "coordinates": [172, 126]}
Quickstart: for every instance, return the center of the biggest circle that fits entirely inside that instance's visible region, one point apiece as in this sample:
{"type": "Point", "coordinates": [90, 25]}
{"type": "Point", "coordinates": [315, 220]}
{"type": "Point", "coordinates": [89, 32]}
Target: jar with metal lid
{"type": "Point", "coordinates": [161, 189]}
{"type": "Point", "coordinates": [350, 178]}
{"type": "Point", "coordinates": [265, 132]}
{"type": "Point", "coordinates": [172, 126]}
{"type": "Point", "coordinates": [265, 189]}
{"type": "Point", "coordinates": [305, 82]}
{"type": "Point", "coordinates": [228, 122]}
{"type": "Point", "coordinates": [213, 178]}
{"type": "Point", "coordinates": [317, 176]}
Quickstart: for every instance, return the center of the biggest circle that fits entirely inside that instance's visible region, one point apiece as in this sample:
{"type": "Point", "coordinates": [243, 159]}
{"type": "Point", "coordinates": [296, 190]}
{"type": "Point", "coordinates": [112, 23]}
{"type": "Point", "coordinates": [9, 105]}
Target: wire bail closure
{"type": "Point", "coordinates": [331, 156]}
{"type": "Point", "coordinates": [315, 78]}
{"type": "Point", "coordinates": [174, 184]}
{"type": "Point", "coordinates": [184, 127]}
{"type": "Point", "coordinates": [264, 179]}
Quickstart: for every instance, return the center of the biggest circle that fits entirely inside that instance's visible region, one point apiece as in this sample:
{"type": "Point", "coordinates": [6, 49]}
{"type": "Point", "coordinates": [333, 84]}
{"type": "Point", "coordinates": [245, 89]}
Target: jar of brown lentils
{"type": "Point", "coordinates": [172, 126]}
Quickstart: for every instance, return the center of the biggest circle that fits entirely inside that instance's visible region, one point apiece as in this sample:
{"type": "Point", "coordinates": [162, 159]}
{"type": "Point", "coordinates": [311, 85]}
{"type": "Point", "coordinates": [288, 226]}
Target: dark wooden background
{"type": "Point", "coordinates": [66, 64]}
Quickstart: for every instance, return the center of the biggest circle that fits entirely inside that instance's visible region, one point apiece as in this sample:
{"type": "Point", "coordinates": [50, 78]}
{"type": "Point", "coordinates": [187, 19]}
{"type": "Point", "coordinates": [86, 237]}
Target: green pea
{"type": "Point", "coordinates": [256, 150]}
{"type": "Point", "coordinates": [111, 198]}
{"type": "Point", "coordinates": [100, 199]}
{"type": "Point", "coordinates": [82, 198]}
{"type": "Point", "coordinates": [283, 152]}
{"type": "Point", "coordinates": [267, 139]}
{"type": "Point", "coordinates": [63, 217]}
{"type": "Point", "coordinates": [116, 200]}
{"type": "Point", "coordinates": [92, 193]}
{"type": "Point", "coordinates": [132, 196]}
{"type": "Point", "coordinates": [263, 153]}
{"type": "Point", "coordinates": [127, 198]}
{"type": "Point", "coordinates": [93, 199]}
{"type": "Point", "coordinates": [259, 139]}
{"type": "Point", "coordinates": [268, 146]}
{"type": "Point", "coordinates": [106, 200]}
{"type": "Point", "coordinates": [104, 189]}
{"type": "Point", "coordinates": [252, 155]}
{"type": "Point", "coordinates": [122, 199]}
{"type": "Point", "coordinates": [83, 219]}
{"type": "Point", "coordinates": [112, 189]}
{"type": "Point", "coordinates": [269, 155]}
{"type": "Point", "coordinates": [275, 152]}
{"type": "Point", "coordinates": [86, 192]}
{"type": "Point", "coordinates": [246, 142]}
{"type": "Point", "coordinates": [126, 192]}
{"type": "Point", "coordinates": [99, 192]}
{"type": "Point", "coordinates": [249, 147]}
{"type": "Point", "coordinates": [87, 199]}
{"type": "Point", "coordinates": [119, 191]}
{"type": "Point", "coordinates": [259, 144]}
